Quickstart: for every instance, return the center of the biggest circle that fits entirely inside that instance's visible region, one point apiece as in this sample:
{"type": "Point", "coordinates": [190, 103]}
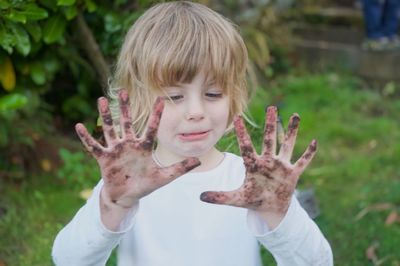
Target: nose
{"type": "Point", "coordinates": [195, 110]}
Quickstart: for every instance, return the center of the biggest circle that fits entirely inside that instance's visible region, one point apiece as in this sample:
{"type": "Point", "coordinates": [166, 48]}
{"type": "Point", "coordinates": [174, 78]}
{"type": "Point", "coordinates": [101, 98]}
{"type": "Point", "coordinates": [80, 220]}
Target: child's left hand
{"type": "Point", "coordinates": [270, 178]}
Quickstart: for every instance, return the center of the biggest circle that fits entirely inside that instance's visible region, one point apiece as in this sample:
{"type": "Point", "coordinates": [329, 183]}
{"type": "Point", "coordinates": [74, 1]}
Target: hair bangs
{"type": "Point", "coordinates": [192, 46]}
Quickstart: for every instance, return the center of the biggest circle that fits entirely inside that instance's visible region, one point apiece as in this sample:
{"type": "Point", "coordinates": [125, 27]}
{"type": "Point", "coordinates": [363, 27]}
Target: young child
{"type": "Point", "coordinates": [179, 86]}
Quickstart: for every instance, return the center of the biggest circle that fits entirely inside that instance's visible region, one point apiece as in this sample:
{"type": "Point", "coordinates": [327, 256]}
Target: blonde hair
{"type": "Point", "coordinates": [170, 44]}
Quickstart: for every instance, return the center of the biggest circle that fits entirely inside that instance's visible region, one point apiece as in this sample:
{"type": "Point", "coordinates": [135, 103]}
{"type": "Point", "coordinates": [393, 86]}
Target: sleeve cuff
{"type": "Point", "coordinates": [126, 224]}
{"type": "Point", "coordinates": [259, 228]}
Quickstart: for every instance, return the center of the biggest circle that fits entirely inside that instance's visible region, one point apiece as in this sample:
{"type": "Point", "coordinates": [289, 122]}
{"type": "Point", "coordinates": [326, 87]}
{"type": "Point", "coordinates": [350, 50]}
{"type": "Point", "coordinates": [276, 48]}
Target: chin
{"type": "Point", "coordinates": [198, 152]}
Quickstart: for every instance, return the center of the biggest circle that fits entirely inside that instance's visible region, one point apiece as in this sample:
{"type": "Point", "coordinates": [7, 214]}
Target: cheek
{"type": "Point", "coordinates": [168, 120]}
{"type": "Point", "coordinates": [221, 114]}
{"type": "Point", "coordinates": [223, 120]}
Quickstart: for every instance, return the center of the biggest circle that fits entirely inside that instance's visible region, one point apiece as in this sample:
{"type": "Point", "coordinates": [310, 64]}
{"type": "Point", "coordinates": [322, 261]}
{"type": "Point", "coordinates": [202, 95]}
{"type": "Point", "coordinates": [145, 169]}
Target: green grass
{"type": "Point", "coordinates": [357, 165]}
{"type": "Point", "coordinates": [36, 211]}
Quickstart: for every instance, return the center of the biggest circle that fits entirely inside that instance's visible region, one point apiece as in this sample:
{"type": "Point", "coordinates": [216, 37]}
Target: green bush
{"type": "Point", "coordinates": [78, 169]}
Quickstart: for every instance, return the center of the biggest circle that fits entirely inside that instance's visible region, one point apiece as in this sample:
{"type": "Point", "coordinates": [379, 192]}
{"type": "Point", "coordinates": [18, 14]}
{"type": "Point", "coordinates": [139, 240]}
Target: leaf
{"type": "Point", "coordinates": [391, 218]}
{"type": "Point", "coordinates": [374, 207]}
{"type": "Point", "coordinates": [16, 16]}
{"type": "Point", "coordinates": [370, 253]}
{"type": "Point", "coordinates": [34, 30]}
{"type": "Point", "coordinates": [7, 74]}
{"type": "Point", "coordinates": [7, 40]}
{"type": "Point", "coordinates": [54, 29]}
{"type": "Point", "coordinates": [45, 164]}
{"type": "Point", "coordinates": [38, 73]}
{"type": "Point", "coordinates": [22, 42]}
{"type": "Point", "coordinates": [33, 12]}
{"type": "Point", "coordinates": [65, 2]}
{"type": "Point", "coordinates": [49, 4]}
{"type": "Point", "coordinates": [389, 89]}
{"type": "Point", "coordinates": [70, 12]}
{"type": "Point", "coordinates": [90, 5]}
{"type": "Point", "coordinates": [51, 65]}
{"type": "Point", "coordinates": [99, 121]}
{"type": "Point", "coordinates": [4, 5]}
{"type": "Point", "coordinates": [85, 194]}
{"type": "Point", "coordinates": [112, 22]}
{"type": "Point", "coordinates": [12, 102]}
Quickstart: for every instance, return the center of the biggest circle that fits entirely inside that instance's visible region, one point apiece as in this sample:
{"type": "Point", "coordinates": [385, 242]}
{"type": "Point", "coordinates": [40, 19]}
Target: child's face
{"type": "Point", "coordinates": [193, 120]}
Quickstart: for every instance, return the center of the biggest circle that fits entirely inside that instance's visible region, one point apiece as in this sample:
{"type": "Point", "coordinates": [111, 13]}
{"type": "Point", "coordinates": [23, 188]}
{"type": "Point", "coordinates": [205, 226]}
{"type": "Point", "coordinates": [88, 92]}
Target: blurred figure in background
{"type": "Point", "coordinates": [381, 24]}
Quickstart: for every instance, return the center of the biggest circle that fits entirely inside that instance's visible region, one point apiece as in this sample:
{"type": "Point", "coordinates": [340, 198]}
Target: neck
{"type": "Point", "coordinates": [208, 161]}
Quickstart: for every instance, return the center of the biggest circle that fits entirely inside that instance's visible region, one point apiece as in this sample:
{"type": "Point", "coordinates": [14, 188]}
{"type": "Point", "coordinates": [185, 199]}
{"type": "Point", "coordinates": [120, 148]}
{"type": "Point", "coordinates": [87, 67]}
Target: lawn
{"type": "Point", "coordinates": [356, 173]}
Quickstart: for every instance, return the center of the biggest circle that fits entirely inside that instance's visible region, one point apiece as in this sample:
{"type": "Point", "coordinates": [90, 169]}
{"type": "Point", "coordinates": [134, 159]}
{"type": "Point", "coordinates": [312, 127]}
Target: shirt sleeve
{"type": "Point", "coordinates": [85, 240]}
{"type": "Point", "coordinates": [296, 241]}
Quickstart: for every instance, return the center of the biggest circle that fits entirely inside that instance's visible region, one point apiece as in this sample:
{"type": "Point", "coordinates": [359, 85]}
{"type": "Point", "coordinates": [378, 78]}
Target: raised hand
{"type": "Point", "coordinates": [270, 178]}
{"type": "Point", "coordinates": [125, 162]}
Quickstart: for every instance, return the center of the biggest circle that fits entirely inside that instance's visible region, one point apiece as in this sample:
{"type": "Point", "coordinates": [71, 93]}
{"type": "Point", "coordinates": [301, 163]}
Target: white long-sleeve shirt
{"type": "Point", "coordinates": [173, 227]}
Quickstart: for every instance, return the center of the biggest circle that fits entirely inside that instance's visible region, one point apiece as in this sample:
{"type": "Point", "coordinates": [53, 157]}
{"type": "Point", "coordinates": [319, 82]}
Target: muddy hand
{"type": "Point", "coordinates": [270, 178]}
{"type": "Point", "coordinates": [125, 162]}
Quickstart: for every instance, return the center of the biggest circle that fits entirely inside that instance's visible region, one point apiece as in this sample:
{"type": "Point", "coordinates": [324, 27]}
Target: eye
{"type": "Point", "coordinates": [174, 97]}
{"type": "Point", "coordinates": [214, 95]}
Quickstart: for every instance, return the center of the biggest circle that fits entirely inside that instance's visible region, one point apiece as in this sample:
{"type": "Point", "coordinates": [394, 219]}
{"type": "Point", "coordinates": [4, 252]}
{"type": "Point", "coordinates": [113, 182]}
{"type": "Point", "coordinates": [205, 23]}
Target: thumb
{"type": "Point", "coordinates": [231, 198]}
{"type": "Point", "coordinates": [176, 170]}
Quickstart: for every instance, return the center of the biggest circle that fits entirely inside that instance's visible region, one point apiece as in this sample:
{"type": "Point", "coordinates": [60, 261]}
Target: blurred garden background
{"type": "Point", "coordinates": [57, 55]}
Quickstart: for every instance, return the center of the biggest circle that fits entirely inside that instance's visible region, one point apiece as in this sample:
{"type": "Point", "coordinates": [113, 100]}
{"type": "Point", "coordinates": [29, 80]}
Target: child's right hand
{"type": "Point", "coordinates": [126, 162]}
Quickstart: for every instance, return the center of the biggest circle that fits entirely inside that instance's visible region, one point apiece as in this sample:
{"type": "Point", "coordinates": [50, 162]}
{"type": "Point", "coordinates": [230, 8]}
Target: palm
{"type": "Point", "coordinates": [270, 178]}
{"type": "Point", "coordinates": [126, 163]}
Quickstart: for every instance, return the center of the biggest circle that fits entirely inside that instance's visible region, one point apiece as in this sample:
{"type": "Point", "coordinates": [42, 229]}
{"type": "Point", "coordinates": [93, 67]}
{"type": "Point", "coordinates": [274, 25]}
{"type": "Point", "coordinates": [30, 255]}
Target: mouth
{"type": "Point", "coordinates": [192, 136]}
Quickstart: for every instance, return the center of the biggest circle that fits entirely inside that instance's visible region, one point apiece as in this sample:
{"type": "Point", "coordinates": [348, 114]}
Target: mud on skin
{"type": "Point", "coordinates": [270, 178]}
{"type": "Point", "coordinates": [125, 162]}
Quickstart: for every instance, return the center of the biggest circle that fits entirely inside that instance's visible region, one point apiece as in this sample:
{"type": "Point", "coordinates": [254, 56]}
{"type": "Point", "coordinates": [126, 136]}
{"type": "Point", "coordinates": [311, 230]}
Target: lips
{"type": "Point", "coordinates": [193, 136]}
{"type": "Point", "coordinates": [194, 133]}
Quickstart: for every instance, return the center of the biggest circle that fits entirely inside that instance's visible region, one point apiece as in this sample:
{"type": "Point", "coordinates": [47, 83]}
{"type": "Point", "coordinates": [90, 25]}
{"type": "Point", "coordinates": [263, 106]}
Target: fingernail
{"type": "Point", "coordinates": [102, 102]}
{"type": "Point", "coordinates": [271, 107]}
{"type": "Point", "coordinates": [79, 129]}
{"type": "Point", "coordinates": [123, 94]}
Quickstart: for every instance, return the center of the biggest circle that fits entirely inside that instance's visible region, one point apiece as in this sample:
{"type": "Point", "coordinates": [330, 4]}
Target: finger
{"type": "Point", "coordinates": [231, 198]}
{"type": "Point", "coordinates": [108, 127]}
{"type": "Point", "coordinates": [287, 146]}
{"type": "Point", "coordinates": [306, 158]}
{"type": "Point", "coordinates": [246, 146]}
{"type": "Point", "coordinates": [269, 146]}
{"type": "Point", "coordinates": [152, 125]}
{"type": "Point", "coordinates": [91, 145]}
{"type": "Point", "coordinates": [176, 170]}
{"type": "Point", "coordinates": [126, 115]}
